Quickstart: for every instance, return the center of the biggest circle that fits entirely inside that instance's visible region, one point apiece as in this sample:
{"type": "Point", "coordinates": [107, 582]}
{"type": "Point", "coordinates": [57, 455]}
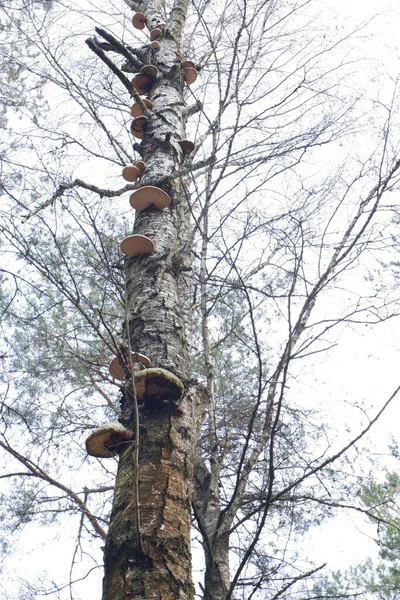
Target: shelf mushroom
{"type": "Point", "coordinates": [108, 440]}
{"type": "Point", "coordinates": [138, 126]}
{"type": "Point", "coordinates": [138, 360]}
{"type": "Point", "coordinates": [189, 71]}
{"type": "Point", "coordinates": [139, 20]}
{"type": "Point", "coordinates": [149, 195]}
{"type": "Point", "coordinates": [158, 387]}
{"type": "Point", "coordinates": [142, 84]}
{"type": "Point", "coordinates": [131, 173]}
{"type": "Point", "coordinates": [187, 146]}
{"type": "Point", "coordinates": [135, 245]}
{"type": "Point", "coordinates": [155, 45]}
{"type": "Point", "coordinates": [156, 32]}
{"type": "Point", "coordinates": [139, 164]}
{"type": "Point", "coordinates": [150, 71]}
{"type": "Point", "coordinates": [136, 110]}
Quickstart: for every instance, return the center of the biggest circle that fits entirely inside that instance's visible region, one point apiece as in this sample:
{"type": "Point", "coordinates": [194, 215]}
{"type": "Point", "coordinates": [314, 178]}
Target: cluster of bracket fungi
{"type": "Point", "coordinates": [154, 387]}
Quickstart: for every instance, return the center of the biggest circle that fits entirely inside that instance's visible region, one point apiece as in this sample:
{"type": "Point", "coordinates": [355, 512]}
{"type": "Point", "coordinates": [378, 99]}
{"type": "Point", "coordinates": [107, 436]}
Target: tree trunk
{"type": "Point", "coordinates": [215, 534]}
{"type": "Point", "coordinates": [161, 569]}
{"type": "Point", "coordinates": [155, 562]}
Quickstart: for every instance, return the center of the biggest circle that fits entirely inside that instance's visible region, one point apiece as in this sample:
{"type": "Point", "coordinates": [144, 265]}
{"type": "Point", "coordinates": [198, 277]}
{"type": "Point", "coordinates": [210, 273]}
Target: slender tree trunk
{"type": "Point", "coordinates": [154, 559]}
{"type": "Point", "coordinates": [215, 534]}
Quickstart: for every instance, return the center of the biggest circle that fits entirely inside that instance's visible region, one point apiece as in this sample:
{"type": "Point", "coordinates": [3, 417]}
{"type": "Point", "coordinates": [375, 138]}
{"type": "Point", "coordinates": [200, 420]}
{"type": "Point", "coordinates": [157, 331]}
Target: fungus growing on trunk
{"type": "Point", "coordinates": [190, 75]}
{"type": "Point", "coordinates": [156, 388]}
{"type": "Point", "coordinates": [140, 164]}
{"type": "Point", "coordinates": [136, 110]}
{"type": "Point", "coordinates": [187, 146]}
{"type": "Point", "coordinates": [138, 126]}
{"type": "Point", "coordinates": [150, 71]}
{"type": "Point", "coordinates": [130, 173]}
{"type": "Point", "coordinates": [135, 245]}
{"type": "Point", "coordinates": [139, 20]}
{"type": "Point", "coordinates": [189, 71]}
{"type": "Point", "coordinates": [188, 64]}
{"type": "Point", "coordinates": [142, 84]}
{"type": "Point", "coordinates": [149, 195]}
{"type": "Point", "coordinates": [155, 33]}
{"type": "Point", "coordinates": [120, 367]}
{"type": "Point", "coordinates": [108, 440]}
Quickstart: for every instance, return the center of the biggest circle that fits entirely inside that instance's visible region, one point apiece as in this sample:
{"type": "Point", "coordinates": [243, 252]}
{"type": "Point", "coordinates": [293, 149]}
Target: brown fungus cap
{"type": "Point", "coordinates": [108, 440]}
{"type": "Point", "coordinates": [138, 126]}
{"type": "Point", "coordinates": [188, 64]}
{"type": "Point", "coordinates": [135, 245]}
{"type": "Point", "coordinates": [116, 370]}
{"type": "Point", "coordinates": [155, 33]}
{"type": "Point", "coordinates": [149, 195]}
{"type": "Point", "coordinates": [139, 123]}
{"type": "Point", "coordinates": [155, 45]}
{"type": "Point", "coordinates": [150, 71]}
{"type": "Point", "coordinates": [190, 75]}
{"type": "Point", "coordinates": [140, 164]}
{"type": "Point", "coordinates": [157, 387]}
{"type": "Point", "coordinates": [142, 84]}
{"type": "Point", "coordinates": [130, 173]}
{"type": "Point", "coordinates": [136, 110]}
{"type": "Point", "coordinates": [187, 146]}
{"type": "Point", "coordinates": [139, 20]}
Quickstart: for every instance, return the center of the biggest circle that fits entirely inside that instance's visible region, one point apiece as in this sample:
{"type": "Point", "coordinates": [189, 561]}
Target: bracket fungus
{"type": "Point", "coordinates": [150, 71]}
{"type": "Point", "coordinates": [108, 440]}
{"type": "Point", "coordinates": [187, 146]}
{"type": "Point", "coordinates": [190, 76]}
{"type": "Point", "coordinates": [139, 20]}
{"type": "Point", "coordinates": [188, 64]}
{"type": "Point", "coordinates": [155, 45]}
{"type": "Point", "coordinates": [156, 32]}
{"type": "Point", "coordinates": [142, 84]}
{"type": "Point", "coordinates": [157, 387]}
{"type": "Point", "coordinates": [135, 245]}
{"type": "Point", "coordinates": [149, 195]}
{"type": "Point", "coordinates": [130, 173]}
{"type": "Point", "coordinates": [136, 110]}
{"type": "Point", "coordinates": [138, 126]}
{"type": "Point", "coordinates": [117, 370]}
{"type": "Point", "coordinates": [140, 164]}
{"type": "Point", "coordinates": [189, 71]}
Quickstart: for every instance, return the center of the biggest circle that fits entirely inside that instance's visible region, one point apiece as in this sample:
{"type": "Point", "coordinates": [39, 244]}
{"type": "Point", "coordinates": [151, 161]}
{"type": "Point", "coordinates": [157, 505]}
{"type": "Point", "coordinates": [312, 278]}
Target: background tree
{"type": "Point", "coordinates": [261, 254]}
{"type": "Point", "coordinates": [373, 578]}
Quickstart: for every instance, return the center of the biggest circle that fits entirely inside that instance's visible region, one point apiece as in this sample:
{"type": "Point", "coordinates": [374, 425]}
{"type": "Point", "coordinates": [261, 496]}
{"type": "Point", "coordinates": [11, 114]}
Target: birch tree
{"type": "Point", "coordinates": [257, 175]}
